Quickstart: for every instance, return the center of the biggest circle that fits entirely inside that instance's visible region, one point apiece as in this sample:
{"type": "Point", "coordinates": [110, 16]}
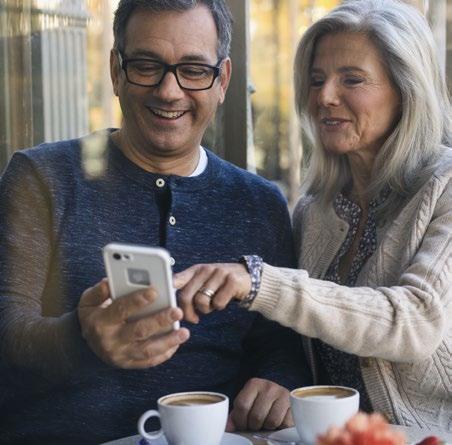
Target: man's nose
{"type": "Point", "coordinates": [329, 94]}
{"type": "Point", "coordinates": [169, 89]}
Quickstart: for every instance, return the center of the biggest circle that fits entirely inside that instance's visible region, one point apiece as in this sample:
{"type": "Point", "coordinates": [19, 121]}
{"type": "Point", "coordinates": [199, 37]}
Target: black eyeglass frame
{"type": "Point", "coordinates": [168, 68]}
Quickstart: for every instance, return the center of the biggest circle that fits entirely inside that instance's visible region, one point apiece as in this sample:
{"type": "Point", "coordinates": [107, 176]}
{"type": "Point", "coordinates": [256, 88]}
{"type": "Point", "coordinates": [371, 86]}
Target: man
{"type": "Point", "coordinates": [74, 370]}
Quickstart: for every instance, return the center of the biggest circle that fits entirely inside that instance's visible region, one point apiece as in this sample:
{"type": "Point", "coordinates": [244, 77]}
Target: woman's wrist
{"type": "Point", "coordinates": [254, 265]}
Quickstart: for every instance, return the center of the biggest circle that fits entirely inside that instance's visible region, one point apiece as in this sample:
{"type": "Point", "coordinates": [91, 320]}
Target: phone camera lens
{"type": "Point", "coordinates": [116, 256]}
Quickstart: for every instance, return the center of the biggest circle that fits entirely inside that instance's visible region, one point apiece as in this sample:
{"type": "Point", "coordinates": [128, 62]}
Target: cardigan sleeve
{"type": "Point", "coordinates": [48, 347]}
{"type": "Point", "coordinates": [403, 322]}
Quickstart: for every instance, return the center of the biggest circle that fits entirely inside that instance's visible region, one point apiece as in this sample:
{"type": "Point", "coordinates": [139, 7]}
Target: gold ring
{"type": "Point", "coordinates": [209, 293]}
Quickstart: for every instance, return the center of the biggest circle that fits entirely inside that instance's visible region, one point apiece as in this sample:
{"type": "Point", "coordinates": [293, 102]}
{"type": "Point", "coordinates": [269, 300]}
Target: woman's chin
{"type": "Point", "coordinates": [337, 150]}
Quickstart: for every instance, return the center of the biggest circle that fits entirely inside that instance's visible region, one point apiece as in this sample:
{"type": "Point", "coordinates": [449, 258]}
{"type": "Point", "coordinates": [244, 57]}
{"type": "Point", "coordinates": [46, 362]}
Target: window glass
{"type": "Point", "coordinates": [275, 28]}
{"type": "Point", "coordinates": [54, 75]}
{"type": "Point", "coordinates": [55, 81]}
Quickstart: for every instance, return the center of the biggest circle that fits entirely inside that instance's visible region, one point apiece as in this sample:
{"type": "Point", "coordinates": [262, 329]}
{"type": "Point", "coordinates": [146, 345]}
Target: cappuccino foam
{"type": "Point", "coordinates": [326, 393]}
{"type": "Point", "coordinates": [191, 400]}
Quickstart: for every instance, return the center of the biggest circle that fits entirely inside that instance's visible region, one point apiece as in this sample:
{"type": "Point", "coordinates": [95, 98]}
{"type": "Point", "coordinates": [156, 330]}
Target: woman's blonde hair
{"type": "Point", "coordinates": [407, 48]}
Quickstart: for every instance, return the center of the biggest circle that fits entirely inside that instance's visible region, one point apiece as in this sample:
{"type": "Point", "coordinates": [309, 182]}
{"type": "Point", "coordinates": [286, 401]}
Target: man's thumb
{"type": "Point", "coordinates": [96, 295]}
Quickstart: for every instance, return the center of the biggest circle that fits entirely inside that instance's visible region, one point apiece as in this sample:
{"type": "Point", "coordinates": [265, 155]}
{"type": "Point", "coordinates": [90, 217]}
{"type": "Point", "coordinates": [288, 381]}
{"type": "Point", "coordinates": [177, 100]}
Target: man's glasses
{"type": "Point", "coordinates": [150, 73]}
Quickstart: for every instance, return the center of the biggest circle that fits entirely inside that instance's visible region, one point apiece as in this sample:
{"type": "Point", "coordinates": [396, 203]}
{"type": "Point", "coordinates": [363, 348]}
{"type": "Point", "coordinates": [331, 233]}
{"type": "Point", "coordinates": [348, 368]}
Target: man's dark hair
{"type": "Point", "coordinates": [218, 8]}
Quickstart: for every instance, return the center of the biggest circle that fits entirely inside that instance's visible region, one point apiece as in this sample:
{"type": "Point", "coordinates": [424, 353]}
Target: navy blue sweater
{"type": "Point", "coordinates": [54, 221]}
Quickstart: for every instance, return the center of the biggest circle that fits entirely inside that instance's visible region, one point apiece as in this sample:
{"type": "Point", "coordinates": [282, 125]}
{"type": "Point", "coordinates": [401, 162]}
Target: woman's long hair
{"type": "Point", "coordinates": [407, 48]}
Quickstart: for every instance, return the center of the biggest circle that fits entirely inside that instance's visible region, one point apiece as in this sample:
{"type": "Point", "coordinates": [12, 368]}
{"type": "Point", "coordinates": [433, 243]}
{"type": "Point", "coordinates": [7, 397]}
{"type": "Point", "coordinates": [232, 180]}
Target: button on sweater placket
{"type": "Point", "coordinates": [160, 183]}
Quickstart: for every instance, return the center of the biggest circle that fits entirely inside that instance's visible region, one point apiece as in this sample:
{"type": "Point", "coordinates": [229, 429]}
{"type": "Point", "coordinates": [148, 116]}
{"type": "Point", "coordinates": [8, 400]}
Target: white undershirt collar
{"type": "Point", "coordinates": [202, 162]}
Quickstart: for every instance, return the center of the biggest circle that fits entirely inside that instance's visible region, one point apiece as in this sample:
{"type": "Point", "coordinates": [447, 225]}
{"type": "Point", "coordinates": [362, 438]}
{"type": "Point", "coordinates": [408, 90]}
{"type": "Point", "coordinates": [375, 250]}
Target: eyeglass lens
{"type": "Point", "coordinates": [150, 73]}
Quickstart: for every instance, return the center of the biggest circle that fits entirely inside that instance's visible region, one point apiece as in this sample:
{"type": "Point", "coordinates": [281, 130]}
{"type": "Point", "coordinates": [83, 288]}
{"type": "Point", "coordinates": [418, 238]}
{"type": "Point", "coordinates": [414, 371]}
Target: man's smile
{"type": "Point", "coordinates": [176, 114]}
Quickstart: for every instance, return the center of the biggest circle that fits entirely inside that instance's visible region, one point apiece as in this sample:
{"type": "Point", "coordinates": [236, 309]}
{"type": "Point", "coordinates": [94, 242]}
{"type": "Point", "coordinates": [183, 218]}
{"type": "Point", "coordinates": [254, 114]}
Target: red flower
{"type": "Point", "coordinates": [363, 429]}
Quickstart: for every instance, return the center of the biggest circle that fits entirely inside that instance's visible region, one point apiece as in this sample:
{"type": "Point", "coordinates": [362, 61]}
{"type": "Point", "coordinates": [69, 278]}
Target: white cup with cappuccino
{"type": "Point", "coordinates": [316, 408]}
{"type": "Point", "coordinates": [190, 418]}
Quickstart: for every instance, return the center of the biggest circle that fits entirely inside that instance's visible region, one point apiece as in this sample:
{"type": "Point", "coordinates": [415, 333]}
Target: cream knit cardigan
{"type": "Point", "coordinates": [398, 318]}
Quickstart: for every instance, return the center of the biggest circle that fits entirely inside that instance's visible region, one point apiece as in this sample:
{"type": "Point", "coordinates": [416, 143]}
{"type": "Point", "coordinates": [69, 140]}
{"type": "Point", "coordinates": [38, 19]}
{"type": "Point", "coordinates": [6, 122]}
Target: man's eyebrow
{"type": "Point", "coordinates": [201, 58]}
{"type": "Point", "coordinates": [148, 54]}
{"type": "Point", "coordinates": [142, 53]}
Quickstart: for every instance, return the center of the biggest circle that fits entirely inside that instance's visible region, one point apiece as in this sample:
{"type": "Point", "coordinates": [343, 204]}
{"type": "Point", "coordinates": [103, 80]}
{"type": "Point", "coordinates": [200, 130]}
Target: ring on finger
{"type": "Point", "coordinates": [209, 293]}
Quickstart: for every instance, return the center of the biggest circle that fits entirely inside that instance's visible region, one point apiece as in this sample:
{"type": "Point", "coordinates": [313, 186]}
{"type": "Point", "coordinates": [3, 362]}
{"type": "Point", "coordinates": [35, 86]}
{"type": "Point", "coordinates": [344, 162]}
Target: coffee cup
{"type": "Point", "coordinates": [316, 408]}
{"type": "Point", "coordinates": [190, 418]}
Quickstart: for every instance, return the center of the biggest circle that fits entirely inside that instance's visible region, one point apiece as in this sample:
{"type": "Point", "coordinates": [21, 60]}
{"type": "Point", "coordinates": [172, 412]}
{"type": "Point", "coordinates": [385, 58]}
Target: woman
{"type": "Point", "coordinates": [373, 229]}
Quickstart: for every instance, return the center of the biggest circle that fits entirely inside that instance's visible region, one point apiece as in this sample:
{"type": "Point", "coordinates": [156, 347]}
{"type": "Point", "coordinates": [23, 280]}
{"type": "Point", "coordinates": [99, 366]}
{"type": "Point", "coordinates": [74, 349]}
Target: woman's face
{"type": "Point", "coordinates": [352, 100]}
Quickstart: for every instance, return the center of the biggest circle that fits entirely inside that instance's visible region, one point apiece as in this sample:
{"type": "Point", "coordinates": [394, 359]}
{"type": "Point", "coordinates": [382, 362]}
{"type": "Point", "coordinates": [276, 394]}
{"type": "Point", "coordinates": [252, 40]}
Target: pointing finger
{"type": "Point", "coordinates": [180, 279]}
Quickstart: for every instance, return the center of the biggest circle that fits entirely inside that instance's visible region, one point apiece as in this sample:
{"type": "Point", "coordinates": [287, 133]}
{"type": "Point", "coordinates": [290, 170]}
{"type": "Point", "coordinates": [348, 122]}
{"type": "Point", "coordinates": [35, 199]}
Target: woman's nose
{"type": "Point", "coordinates": [329, 94]}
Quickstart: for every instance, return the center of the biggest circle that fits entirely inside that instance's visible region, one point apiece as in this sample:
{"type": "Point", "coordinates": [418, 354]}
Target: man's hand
{"type": "Point", "coordinates": [128, 344]}
{"type": "Point", "coordinates": [261, 404]}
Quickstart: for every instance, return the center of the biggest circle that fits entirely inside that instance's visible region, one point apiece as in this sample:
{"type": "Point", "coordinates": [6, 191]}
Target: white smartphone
{"type": "Point", "coordinates": [131, 267]}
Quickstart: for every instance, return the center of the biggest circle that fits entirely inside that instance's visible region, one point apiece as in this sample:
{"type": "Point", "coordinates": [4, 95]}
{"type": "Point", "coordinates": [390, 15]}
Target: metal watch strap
{"type": "Point", "coordinates": [254, 266]}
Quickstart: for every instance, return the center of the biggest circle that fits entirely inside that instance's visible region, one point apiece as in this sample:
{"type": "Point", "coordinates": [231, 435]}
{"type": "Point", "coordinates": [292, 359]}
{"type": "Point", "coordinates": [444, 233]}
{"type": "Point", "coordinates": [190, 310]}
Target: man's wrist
{"type": "Point", "coordinates": [254, 265]}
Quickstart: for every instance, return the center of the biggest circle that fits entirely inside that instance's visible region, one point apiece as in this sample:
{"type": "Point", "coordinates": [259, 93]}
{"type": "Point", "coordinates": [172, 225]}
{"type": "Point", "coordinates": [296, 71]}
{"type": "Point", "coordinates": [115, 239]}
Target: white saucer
{"type": "Point", "coordinates": [289, 434]}
{"type": "Point", "coordinates": [234, 439]}
{"type": "Point", "coordinates": [227, 439]}
{"type": "Point", "coordinates": [286, 434]}
{"type": "Point", "coordinates": [413, 435]}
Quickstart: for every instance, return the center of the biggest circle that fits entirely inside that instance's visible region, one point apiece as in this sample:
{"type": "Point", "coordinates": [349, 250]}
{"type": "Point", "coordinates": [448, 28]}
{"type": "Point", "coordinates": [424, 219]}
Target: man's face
{"type": "Point", "coordinates": [166, 120]}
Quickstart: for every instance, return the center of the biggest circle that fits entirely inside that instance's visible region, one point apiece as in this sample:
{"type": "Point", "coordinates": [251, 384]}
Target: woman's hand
{"type": "Point", "coordinates": [208, 287]}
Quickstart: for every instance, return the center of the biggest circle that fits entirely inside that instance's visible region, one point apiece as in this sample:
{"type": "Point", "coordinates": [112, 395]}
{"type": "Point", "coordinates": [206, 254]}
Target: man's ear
{"type": "Point", "coordinates": [115, 71]}
{"type": "Point", "coordinates": [225, 77]}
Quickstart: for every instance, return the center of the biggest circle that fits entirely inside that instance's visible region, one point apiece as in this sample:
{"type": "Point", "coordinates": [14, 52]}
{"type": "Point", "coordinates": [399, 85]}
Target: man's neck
{"type": "Point", "coordinates": [180, 165]}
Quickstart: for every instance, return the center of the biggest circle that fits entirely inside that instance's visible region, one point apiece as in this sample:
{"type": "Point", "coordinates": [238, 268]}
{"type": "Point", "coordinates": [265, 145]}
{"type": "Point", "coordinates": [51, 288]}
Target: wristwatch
{"type": "Point", "coordinates": [253, 264]}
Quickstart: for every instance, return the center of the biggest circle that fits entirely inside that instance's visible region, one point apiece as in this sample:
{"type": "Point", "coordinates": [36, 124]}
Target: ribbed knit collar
{"type": "Point", "coordinates": [120, 162]}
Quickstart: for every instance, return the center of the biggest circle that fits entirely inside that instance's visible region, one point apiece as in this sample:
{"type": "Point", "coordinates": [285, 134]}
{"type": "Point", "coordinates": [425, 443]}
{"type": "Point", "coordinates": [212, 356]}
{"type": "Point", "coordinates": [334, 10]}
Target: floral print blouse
{"type": "Point", "coordinates": [338, 367]}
